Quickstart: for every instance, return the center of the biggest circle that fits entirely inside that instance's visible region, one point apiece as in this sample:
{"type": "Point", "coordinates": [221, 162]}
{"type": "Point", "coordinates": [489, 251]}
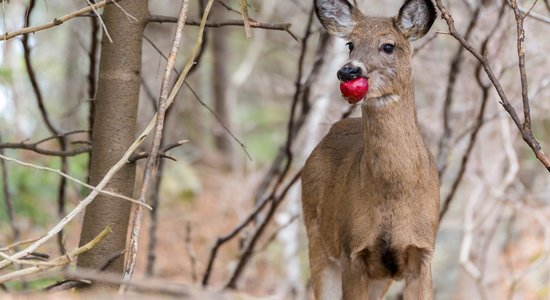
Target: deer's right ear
{"type": "Point", "coordinates": [337, 16]}
{"type": "Point", "coordinates": [415, 18]}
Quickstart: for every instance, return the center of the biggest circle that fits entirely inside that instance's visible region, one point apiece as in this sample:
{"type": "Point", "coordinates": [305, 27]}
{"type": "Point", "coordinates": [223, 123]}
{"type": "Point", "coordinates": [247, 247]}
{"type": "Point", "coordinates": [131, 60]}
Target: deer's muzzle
{"type": "Point", "coordinates": [348, 72]}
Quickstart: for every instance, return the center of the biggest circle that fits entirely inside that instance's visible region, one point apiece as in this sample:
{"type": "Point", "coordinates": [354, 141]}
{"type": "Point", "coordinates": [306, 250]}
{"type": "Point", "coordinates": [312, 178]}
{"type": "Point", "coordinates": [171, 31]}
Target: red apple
{"type": "Point", "coordinates": [354, 90]}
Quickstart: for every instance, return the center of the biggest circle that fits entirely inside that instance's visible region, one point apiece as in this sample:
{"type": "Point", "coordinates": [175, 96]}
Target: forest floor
{"type": "Point", "coordinates": [192, 216]}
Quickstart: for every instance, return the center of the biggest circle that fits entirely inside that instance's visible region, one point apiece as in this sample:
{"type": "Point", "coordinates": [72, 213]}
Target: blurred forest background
{"type": "Point", "coordinates": [252, 109]}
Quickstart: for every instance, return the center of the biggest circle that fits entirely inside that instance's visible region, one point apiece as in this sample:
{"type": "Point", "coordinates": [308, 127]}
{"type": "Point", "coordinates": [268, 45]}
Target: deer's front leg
{"type": "Point", "coordinates": [354, 278]}
{"type": "Point", "coordinates": [418, 281]}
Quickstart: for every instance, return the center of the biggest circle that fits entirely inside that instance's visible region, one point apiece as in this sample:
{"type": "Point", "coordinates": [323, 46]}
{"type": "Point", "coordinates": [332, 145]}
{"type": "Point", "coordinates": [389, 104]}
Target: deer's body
{"type": "Point", "coordinates": [370, 188]}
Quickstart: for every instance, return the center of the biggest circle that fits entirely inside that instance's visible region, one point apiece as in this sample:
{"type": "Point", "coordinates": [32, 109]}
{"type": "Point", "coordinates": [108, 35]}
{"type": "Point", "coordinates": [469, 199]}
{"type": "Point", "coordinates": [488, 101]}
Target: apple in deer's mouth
{"type": "Point", "coordinates": [354, 90]}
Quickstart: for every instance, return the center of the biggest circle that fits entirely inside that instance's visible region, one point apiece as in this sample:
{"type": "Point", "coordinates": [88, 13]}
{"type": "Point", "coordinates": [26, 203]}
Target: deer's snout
{"type": "Point", "coordinates": [348, 72]}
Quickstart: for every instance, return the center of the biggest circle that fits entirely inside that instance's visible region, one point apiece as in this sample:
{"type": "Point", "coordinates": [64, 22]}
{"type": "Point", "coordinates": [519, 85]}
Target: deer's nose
{"type": "Point", "coordinates": [348, 72]}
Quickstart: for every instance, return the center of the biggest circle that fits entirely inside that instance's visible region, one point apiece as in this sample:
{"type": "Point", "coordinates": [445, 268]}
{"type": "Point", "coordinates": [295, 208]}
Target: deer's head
{"type": "Point", "coordinates": [379, 47]}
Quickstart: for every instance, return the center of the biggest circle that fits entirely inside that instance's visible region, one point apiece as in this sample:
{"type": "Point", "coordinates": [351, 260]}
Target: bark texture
{"type": "Point", "coordinates": [114, 130]}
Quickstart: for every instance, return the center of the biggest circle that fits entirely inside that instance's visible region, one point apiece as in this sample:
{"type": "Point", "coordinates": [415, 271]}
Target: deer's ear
{"type": "Point", "coordinates": [415, 18]}
{"type": "Point", "coordinates": [337, 16]}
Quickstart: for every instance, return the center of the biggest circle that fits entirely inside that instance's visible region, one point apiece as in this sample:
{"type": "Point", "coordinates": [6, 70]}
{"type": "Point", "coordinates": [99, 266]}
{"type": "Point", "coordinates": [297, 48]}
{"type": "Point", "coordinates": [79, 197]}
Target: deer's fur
{"type": "Point", "coordinates": [370, 188]}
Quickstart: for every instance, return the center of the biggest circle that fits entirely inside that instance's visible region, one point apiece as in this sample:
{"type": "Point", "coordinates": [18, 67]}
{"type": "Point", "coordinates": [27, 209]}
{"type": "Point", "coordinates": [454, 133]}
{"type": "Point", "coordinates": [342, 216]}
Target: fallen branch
{"type": "Point", "coordinates": [62, 260]}
{"type": "Point", "coordinates": [71, 283]}
{"type": "Point", "coordinates": [150, 286]}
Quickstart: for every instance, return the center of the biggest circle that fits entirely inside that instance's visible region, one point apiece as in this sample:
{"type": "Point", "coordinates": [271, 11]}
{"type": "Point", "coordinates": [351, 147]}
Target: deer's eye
{"type": "Point", "coordinates": [388, 48]}
{"type": "Point", "coordinates": [350, 46]}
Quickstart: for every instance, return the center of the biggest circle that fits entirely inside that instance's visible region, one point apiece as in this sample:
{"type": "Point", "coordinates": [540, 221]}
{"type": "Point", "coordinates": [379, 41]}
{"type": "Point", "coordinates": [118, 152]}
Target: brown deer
{"type": "Point", "coordinates": [370, 191]}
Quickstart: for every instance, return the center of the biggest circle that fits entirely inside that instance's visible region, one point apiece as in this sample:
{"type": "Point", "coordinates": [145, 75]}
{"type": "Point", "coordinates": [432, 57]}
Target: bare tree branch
{"type": "Point", "coordinates": [294, 123]}
{"type": "Point", "coordinates": [65, 175]}
{"type": "Point", "coordinates": [526, 131]}
{"type": "Point", "coordinates": [35, 148]}
{"type": "Point", "coordinates": [92, 81]}
{"type": "Point", "coordinates": [253, 24]}
{"type": "Point", "coordinates": [190, 252]}
{"type": "Point", "coordinates": [8, 200]}
{"type": "Point", "coordinates": [246, 21]}
{"type": "Point", "coordinates": [61, 193]}
{"type": "Point", "coordinates": [56, 22]}
{"type": "Point", "coordinates": [85, 202]}
{"type": "Point", "coordinates": [454, 71]}
{"type": "Point", "coordinates": [162, 152]}
{"type": "Point", "coordinates": [198, 98]}
{"type": "Point", "coordinates": [248, 251]}
{"type": "Point", "coordinates": [479, 120]}
{"type": "Point", "coordinates": [71, 283]}
{"type": "Point", "coordinates": [164, 103]}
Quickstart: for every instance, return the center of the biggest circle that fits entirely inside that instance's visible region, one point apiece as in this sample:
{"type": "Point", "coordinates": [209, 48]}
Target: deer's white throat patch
{"type": "Point", "coordinates": [382, 101]}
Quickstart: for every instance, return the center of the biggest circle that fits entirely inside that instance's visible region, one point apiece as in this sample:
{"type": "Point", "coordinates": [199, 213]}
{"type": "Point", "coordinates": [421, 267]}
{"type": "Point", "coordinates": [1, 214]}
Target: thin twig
{"type": "Point", "coordinates": [26, 261]}
{"type": "Point", "coordinates": [71, 283]}
{"type": "Point", "coordinates": [153, 232]}
{"type": "Point", "coordinates": [18, 243]}
{"type": "Point", "coordinates": [250, 246]}
{"type": "Point", "coordinates": [56, 22]}
{"type": "Point", "coordinates": [427, 41]}
{"type": "Point", "coordinates": [162, 152]}
{"type": "Point", "coordinates": [304, 94]}
{"type": "Point", "coordinates": [198, 98]}
{"type": "Point", "coordinates": [231, 9]}
{"type": "Point", "coordinates": [274, 235]}
{"type": "Point", "coordinates": [92, 82]}
{"type": "Point", "coordinates": [246, 21]}
{"type": "Point", "coordinates": [151, 165]}
{"type": "Point", "coordinates": [454, 72]}
{"type": "Point", "coordinates": [10, 210]}
{"type": "Point", "coordinates": [190, 252]}
{"type": "Point", "coordinates": [35, 148]}
{"type": "Point", "coordinates": [100, 20]}
{"type": "Point", "coordinates": [243, 146]}
{"type": "Point", "coordinates": [521, 64]}
{"type": "Point", "coordinates": [64, 175]}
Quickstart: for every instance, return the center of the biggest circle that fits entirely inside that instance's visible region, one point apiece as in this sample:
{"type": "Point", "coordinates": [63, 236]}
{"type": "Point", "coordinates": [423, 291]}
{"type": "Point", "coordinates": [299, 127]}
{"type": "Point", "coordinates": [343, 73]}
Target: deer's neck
{"type": "Point", "coordinates": [393, 145]}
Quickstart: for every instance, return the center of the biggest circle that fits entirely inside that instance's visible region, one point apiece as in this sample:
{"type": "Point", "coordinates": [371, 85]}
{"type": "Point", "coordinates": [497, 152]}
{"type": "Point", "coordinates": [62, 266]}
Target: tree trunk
{"type": "Point", "coordinates": [222, 107]}
{"type": "Point", "coordinates": [114, 130]}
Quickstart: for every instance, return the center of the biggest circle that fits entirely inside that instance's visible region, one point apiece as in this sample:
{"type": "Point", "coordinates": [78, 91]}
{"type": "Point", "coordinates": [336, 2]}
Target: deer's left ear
{"type": "Point", "coordinates": [415, 18]}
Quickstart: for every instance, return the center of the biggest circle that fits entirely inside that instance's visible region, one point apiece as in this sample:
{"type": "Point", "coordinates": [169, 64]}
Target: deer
{"type": "Point", "coordinates": [370, 188]}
